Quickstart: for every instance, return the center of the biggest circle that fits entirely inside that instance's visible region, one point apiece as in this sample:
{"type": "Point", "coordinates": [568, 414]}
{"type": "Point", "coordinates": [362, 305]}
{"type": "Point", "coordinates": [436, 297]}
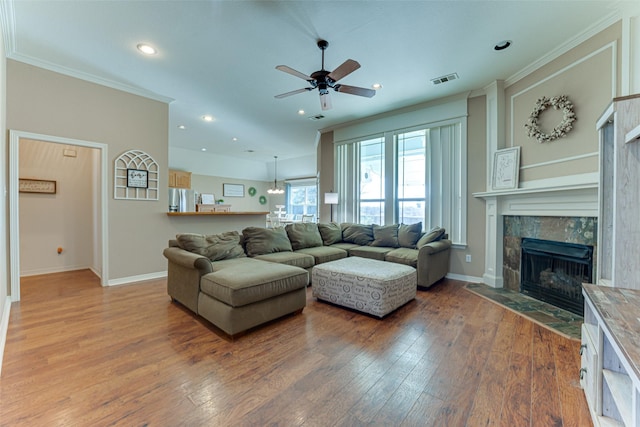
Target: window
{"type": "Point", "coordinates": [302, 198]}
{"type": "Point", "coordinates": [408, 176]}
{"type": "Point", "coordinates": [372, 194]}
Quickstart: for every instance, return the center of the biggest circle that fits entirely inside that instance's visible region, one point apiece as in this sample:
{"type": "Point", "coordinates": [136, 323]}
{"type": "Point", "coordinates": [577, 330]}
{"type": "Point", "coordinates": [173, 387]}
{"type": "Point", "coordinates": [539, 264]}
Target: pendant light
{"type": "Point", "coordinates": [275, 189]}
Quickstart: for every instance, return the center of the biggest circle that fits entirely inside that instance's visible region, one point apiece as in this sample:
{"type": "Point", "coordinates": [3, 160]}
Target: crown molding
{"type": "Point", "coordinates": [7, 22]}
{"type": "Point", "coordinates": [604, 23]}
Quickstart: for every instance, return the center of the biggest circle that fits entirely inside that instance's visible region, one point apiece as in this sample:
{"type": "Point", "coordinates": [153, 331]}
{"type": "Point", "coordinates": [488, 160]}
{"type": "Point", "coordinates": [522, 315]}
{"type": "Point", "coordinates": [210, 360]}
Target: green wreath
{"type": "Point", "coordinates": [262, 200]}
{"type": "Point", "coordinates": [251, 191]}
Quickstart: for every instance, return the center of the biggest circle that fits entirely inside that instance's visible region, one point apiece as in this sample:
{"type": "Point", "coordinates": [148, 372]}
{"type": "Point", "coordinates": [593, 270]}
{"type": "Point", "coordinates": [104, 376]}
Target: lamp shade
{"type": "Point", "coordinates": [330, 198]}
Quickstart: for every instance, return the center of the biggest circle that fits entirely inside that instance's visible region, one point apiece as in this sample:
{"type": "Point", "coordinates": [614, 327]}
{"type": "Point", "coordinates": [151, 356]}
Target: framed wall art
{"type": "Point", "coordinates": [506, 169]}
{"type": "Point", "coordinates": [137, 178]}
{"type": "Point", "coordinates": [45, 186]}
{"type": "Point", "coordinates": [233, 190]}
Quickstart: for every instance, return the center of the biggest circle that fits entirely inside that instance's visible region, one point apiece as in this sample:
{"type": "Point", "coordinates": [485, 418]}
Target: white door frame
{"type": "Point", "coordinates": [14, 210]}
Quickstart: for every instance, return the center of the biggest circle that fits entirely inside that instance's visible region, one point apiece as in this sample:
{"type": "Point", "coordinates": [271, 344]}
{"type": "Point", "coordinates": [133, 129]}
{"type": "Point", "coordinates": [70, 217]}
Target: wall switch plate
{"type": "Point", "coordinates": [468, 258]}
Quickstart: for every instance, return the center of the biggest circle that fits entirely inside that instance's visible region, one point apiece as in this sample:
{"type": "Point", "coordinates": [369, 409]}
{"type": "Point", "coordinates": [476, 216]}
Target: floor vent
{"type": "Point", "coordinates": [316, 118]}
{"type": "Point", "coordinates": [444, 79]}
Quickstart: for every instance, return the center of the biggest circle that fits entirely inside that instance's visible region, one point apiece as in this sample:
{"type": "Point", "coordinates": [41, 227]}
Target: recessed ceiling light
{"type": "Point", "coordinates": [502, 45]}
{"type": "Point", "coordinates": [301, 112]}
{"type": "Point", "coordinates": [183, 127]}
{"type": "Point", "coordinates": [234, 139]}
{"type": "Point", "coordinates": [207, 118]}
{"type": "Point", "coordinates": [147, 49]}
{"type": "Point", "coordinates": [376, 86]}
{"type": "Point", "coordinates": [203, 149]}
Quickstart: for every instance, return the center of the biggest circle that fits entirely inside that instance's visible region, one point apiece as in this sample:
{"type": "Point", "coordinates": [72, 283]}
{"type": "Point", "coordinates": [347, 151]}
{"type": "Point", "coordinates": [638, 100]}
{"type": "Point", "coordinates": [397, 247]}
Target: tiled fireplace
{"type": "Point", "coordinates": [572, 230]}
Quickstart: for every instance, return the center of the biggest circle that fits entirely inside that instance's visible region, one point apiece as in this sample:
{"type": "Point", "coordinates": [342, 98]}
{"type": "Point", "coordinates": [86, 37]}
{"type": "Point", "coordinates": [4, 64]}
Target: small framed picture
{"type": "Point", "coordinates": [506, 169]}
{"type": "Point", "coordinates": [137, 178]}
{"type": "Point", "coordinates": [36, 186]}
{"type": "Point", "coordinates": [233, 190]}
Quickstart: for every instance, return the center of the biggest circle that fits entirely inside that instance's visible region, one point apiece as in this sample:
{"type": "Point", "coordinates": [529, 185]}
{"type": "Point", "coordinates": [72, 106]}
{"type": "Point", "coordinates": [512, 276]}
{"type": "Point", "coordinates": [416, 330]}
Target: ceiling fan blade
{"type": "Point", "coordinates": [325, 101]}
{"type": "Point", "coordinates": [293, 72]}
{"type": "Point", "coordinates": [354, 90]}
{"type": "Point", "coordinates": [293, 92]}
{"type": "Point", "coordinates": [347, 67]}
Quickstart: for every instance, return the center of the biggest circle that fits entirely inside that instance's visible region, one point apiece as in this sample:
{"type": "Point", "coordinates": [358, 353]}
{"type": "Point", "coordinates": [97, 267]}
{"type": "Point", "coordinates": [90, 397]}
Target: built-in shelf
{"type": "Point", "coordinates": [214, 213]}
{"type": "Point", "coordinates": [611, 318]}
{"type": "Point", "coordinates": [621, 389]}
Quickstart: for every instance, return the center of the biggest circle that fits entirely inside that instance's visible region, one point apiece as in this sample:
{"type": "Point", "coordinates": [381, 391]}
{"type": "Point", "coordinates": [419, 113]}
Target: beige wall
{"type": "Point", "coordinates": [325, 166]}
{"type": "Point", "coordinates": [588, 75]}
{"type": "Point", "coordinates": [213, 184]}
{"type": "Point", "coordinates": [48, 103]}
{"type": "Point", "coordinates": [65, 219]}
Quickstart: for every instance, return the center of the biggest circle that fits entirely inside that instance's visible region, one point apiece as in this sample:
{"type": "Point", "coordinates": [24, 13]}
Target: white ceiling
{"type": "Point", "coordinates": [219, 57]}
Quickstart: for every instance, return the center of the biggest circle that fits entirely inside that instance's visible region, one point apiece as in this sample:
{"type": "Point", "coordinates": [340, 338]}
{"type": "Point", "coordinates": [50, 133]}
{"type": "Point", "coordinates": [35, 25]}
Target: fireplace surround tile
{"type": "Point", "coordinates": [583, 230]}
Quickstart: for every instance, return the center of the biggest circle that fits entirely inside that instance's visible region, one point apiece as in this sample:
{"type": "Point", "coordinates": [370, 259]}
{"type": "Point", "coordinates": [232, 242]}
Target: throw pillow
{"type": "Point", "coordinates": [331, 233]}
{"type": "Point", "coordinates": [215, 247]}
{"type": "Point", "coordinates": [385, 235]}
{"type": "Point", "coordinates": [260, 241]}
{"type": "Point", "coordinates": [433, 235]}
{"type": "Point", "coordinates": [409, 234]}
{"type": "Point", "coordinates": [357, 233]}
{"type": "Point", "coordinates": [303, 235]}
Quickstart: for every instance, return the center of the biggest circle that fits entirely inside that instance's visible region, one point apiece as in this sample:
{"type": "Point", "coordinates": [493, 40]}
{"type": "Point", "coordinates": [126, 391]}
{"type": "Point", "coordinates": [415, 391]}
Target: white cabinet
{"type": "Point", "coordinates": [610, 355]}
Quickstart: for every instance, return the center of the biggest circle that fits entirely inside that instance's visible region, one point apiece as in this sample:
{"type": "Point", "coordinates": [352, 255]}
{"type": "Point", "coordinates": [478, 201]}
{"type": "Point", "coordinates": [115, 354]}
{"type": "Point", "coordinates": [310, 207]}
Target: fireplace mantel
{"type": "Point", "coordinates": [573, 196]}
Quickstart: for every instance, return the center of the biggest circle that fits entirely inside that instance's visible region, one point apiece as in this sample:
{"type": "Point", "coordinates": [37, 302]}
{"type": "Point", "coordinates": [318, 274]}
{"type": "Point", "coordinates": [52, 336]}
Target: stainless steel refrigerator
{"type": "Point", "coordinates": [182, 200]}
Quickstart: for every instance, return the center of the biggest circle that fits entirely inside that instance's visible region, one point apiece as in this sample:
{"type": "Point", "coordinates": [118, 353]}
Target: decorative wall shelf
{"type": "Point", "coordinates": [135, 176]}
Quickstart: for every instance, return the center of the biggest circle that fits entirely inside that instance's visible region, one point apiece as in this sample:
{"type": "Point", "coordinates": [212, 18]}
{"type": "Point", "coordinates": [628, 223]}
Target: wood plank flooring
{"type": "Point", "coordinates": [81, 355]}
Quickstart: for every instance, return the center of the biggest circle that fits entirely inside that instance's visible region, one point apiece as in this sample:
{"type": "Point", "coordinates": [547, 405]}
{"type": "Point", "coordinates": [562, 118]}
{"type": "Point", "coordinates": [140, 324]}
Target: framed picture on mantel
{"type": "Point", "coordinates": [506, 169]}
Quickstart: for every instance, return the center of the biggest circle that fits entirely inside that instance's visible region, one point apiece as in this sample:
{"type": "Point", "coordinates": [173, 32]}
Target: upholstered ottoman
{"type": "Point", "coordinates": [367, 285]}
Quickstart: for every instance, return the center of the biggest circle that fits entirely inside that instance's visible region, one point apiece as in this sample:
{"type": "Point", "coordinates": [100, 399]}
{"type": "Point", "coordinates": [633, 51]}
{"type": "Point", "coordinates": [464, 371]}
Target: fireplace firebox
{"type": "Point", "coordinates": [554, 272]}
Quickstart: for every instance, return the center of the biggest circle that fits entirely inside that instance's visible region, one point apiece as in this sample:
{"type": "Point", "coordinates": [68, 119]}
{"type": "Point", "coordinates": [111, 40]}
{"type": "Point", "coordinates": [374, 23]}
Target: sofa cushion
{"type": "Point", "coordinates": [345, 246]}
{"type": "Point", "coordinates": [409, 234]}
{"type": "Point", "coordinates": [260, 241]}
{"type": "Point", "coordinates": [323, 254]}
{"type": "Point", "coordinates": [255, 281]}
{"type": "Point", "coordinates": [216, 247]}
{"type": "Point", "coordinates": [303, 235]}
{"type": "Point", "coordinates": [296, 259]}
{"type": "Point", "coordinates": [331, 233]}
{"type": "Point", "coordinates": [357, 233]}
{"type": "Point", "coordinates": [371, 252]}
{"type": "Point", "coordinates": [433, 235]}
{"type": "Point", "coordinates": [404, 256]}
{"type": "Point", "coordinates": [385, 235]}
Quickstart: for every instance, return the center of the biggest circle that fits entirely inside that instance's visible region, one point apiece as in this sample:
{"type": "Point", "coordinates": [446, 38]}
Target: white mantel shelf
{"type": "Point", "coordinates": [535, 190]}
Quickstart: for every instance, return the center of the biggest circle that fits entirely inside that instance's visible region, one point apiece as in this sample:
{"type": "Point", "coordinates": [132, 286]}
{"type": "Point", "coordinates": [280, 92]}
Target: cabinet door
{"type": "Point", "coordinates": [172, 179]}
{"type": "Point", "coordinates": [179, 179]}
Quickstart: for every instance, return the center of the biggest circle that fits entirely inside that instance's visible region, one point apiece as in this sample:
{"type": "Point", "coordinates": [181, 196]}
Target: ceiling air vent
{"type": "Point", "coordinates": [444, 79]}
{"type": "Point", "coordinates": [316, 118]}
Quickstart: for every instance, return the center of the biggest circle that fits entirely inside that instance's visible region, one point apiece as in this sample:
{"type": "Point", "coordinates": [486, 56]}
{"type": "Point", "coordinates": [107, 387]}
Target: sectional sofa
{"type": "Point", "coordinates": [238, 281]}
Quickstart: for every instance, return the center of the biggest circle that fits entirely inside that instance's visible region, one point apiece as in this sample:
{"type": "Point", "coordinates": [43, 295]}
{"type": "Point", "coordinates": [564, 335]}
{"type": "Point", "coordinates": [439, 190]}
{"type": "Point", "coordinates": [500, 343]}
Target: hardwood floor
{"type": "Point", "coordinates": [81, 355]}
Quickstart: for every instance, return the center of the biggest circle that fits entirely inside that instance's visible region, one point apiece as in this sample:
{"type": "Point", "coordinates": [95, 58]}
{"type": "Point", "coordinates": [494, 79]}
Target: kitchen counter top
{"type": "Point", "coordinates": [214, 213]}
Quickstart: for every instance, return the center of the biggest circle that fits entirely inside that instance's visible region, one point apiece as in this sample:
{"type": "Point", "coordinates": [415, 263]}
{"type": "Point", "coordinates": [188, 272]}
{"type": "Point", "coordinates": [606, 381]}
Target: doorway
{"type": "Point", "coordinates": [100, 227]}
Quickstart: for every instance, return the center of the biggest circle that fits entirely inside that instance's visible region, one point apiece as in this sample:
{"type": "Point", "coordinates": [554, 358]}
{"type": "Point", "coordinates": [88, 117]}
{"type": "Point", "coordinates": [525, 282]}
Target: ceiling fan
{"type": "Point", "coordinates": [323, 80]}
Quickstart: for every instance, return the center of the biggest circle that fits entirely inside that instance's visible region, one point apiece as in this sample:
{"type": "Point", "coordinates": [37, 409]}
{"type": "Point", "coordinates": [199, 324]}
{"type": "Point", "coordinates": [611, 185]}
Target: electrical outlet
{"type": "Point", "coordinates": [468, 258]}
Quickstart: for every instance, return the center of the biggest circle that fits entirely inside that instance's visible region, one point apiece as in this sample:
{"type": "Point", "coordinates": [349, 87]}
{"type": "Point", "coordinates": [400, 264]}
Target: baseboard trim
{"type": "Point", "coordinates": [139, 278]}
{"type": "Point", "coordinates": [464, 278]}
{"type": "Point", "coordinates": [4, 327]}
{"type": "Point", "coordinates": [54, 270]}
